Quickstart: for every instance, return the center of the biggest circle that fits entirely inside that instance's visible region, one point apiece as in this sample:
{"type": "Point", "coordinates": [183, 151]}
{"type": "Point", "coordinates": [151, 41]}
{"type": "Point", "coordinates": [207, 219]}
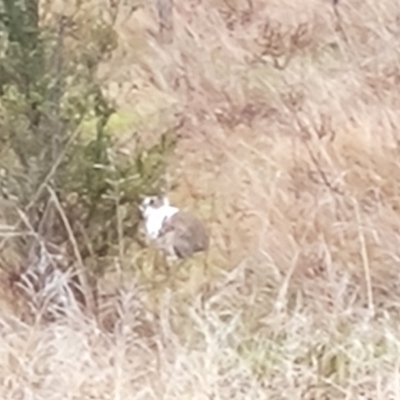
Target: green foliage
{"type": "Point", "coordinates": [106, 185]}
{"type": "Point", "coordinates": [48, 89]}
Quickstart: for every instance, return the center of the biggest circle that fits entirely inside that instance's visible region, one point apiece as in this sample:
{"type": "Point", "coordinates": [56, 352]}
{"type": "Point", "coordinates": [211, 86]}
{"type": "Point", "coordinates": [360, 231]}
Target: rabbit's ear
{"type": "Point", "coordinates": [141, 203]}
{"type": "Point", "coordinates": [144, 200]}
{"type": "Point", "coordinates": [163, 199]}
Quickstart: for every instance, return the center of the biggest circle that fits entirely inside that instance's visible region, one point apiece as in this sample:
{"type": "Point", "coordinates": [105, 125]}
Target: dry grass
{"type": "Point", "coordinates": [289, 150]}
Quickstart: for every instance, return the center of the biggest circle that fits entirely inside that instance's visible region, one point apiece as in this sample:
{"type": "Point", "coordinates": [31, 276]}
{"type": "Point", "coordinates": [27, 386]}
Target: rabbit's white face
{"type": "Point", "coordinates": [152, 203]}
{"type": "Point", "coordinates": [155, 211]}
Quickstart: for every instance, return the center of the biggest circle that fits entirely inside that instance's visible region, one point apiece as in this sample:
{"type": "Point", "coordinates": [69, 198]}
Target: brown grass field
{"type": "Point", "coordinates": [289, 149]}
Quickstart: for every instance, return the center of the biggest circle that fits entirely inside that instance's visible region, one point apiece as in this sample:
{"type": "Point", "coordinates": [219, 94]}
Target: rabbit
{"type": "Point", "coordinates": [177, 233]}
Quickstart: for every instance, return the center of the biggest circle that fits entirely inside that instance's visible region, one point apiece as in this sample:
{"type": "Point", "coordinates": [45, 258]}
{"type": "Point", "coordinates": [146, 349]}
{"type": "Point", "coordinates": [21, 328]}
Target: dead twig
{"type": "Point", "coordinates": [82, 275]}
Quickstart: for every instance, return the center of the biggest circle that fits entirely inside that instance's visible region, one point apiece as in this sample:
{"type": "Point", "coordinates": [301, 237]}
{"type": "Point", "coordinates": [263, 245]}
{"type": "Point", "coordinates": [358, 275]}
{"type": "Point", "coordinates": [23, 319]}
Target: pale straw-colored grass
{"type": "Point", "coordinates": [295, 171]}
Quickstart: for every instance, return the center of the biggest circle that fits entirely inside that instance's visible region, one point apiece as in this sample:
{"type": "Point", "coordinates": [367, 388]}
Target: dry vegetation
{"type": "Point", "coordinates": [288, 116]}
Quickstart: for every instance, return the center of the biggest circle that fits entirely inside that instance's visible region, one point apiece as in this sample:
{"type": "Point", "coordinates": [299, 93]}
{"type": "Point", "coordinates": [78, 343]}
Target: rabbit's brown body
{"type": "Point", "coordinates": [182, 235]}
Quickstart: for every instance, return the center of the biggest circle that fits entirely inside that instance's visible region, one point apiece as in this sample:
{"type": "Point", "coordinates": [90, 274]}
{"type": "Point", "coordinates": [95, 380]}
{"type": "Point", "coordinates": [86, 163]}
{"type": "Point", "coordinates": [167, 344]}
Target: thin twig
{"type": "Point", "coordinates": [365, 260]}
{"type": "Point", "coordinates": [81, 268]}
{"type": "Point", "coordinates": [53, 169]}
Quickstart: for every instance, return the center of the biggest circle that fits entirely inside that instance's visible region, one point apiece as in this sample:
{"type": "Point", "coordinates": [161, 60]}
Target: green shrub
{"type": "Point", "coordinates": [48, 90]}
